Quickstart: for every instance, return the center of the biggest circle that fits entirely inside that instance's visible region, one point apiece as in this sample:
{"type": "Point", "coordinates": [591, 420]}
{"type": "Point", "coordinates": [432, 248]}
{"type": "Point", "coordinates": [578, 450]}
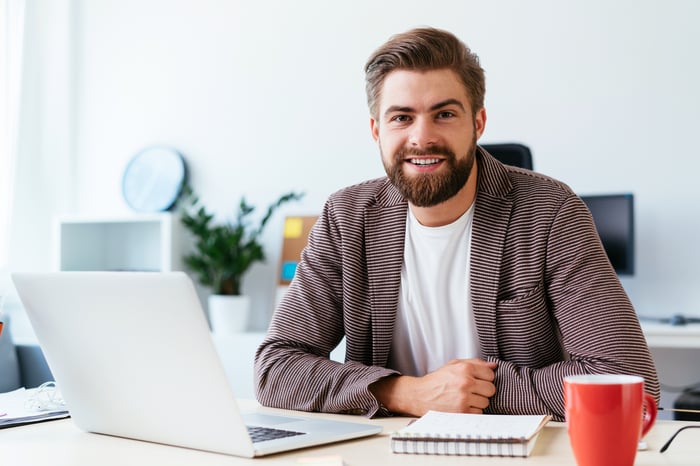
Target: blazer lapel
{"type": "Point", "coordinates": [491, 213]}
{"type": "Point", "coordinates": [385, 226]}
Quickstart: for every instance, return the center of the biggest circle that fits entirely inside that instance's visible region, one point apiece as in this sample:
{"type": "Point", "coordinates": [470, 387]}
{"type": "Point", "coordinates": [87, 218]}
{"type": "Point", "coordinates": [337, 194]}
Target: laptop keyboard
{"type": "Point", "coordinates": [261, 434]}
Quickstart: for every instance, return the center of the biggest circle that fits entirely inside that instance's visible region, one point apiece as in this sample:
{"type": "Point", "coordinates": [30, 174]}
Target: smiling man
{"type": "Point", "coordinates": [459, 284]}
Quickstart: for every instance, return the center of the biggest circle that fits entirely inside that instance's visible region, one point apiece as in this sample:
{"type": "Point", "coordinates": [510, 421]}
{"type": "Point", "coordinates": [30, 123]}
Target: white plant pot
{"type": "Point", "coordinates": [228, 314]}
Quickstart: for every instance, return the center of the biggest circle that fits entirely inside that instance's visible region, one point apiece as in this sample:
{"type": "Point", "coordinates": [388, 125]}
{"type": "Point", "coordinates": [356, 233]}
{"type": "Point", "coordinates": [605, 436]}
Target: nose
{"type": "Point", "coordinates": [423, 133]}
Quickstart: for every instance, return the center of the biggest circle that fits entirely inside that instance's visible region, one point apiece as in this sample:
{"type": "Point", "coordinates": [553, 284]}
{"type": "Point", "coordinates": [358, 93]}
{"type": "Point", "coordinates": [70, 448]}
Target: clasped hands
{"type": "Point", "coordinates": [460, 386]}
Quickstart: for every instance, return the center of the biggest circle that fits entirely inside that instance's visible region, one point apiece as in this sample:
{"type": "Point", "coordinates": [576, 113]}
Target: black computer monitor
{"type": "Point", "coordinates": [613, 215]}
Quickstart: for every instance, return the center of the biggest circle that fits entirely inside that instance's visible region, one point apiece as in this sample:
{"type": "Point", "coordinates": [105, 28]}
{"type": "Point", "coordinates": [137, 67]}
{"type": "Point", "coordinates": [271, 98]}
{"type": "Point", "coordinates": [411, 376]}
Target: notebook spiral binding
{"type": "Point", "coordinates": [460, 445]}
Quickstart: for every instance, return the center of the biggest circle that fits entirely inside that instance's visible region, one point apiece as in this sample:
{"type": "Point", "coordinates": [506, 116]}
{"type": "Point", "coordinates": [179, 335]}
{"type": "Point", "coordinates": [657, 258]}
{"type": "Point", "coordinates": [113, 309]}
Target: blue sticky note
{"type": "Point", "coordinates": [289, 268]}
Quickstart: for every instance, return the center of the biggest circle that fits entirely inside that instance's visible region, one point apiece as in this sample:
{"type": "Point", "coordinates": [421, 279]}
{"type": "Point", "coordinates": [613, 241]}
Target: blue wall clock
{"type": "Point", "coordinates": [153, 179]}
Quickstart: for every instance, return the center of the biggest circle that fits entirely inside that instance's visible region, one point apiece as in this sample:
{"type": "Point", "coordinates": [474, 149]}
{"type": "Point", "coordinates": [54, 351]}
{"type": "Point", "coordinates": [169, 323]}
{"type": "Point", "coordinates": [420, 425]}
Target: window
{"type": "Point", "coordinates": [11, 28]}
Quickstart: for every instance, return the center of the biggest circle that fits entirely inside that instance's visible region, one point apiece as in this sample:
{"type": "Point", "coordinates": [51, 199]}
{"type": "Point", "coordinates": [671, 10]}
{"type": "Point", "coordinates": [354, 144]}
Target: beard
{"type": "Point", "coordinates": [430, 189]}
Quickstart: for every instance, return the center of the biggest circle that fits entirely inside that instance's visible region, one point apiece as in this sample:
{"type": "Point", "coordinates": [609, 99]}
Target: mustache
{"type": "Point", "coordinates": [417, 151]}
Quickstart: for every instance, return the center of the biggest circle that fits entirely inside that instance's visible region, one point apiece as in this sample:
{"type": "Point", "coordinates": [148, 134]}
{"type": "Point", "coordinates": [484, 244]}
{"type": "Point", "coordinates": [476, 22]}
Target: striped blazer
{"type": "Point", "coordinates": [546, 301]}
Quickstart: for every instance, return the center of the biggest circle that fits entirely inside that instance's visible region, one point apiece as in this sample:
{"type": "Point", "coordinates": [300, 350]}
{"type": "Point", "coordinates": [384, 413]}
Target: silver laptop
{"type": "Point", "coordinates": [133, 357]}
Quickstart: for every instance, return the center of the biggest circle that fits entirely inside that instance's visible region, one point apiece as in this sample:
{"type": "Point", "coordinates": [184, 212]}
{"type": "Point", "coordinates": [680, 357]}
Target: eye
{"type": "Point", "coordinates": [401, 118]}
{"type": "Point", "coordinates": [445, 114]}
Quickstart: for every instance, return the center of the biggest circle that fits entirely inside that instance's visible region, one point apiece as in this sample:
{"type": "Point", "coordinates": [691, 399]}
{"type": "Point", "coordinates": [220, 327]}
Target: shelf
{"type": "Point", "coordinates": [144, 242]}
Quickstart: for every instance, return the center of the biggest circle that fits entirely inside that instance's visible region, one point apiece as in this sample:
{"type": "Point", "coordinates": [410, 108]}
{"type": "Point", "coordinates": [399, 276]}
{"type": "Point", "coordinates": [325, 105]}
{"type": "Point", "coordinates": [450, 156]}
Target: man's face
{"type": "Point", "coordinates": [426, 133]}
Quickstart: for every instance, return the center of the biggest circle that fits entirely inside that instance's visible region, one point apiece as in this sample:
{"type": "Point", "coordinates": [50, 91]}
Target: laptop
{"type": "Point", "coordinates": [133, 357]}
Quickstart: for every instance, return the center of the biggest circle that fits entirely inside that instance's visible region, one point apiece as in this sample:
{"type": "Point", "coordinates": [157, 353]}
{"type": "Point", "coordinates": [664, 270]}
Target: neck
{"type": "Point", "coordinates": [450, 210]}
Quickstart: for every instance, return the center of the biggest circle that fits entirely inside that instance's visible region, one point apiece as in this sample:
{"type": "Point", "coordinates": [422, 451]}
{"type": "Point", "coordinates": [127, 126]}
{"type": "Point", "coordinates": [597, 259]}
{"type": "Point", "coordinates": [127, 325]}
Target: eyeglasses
{"type": "Point", "coordinates": [668, 444]}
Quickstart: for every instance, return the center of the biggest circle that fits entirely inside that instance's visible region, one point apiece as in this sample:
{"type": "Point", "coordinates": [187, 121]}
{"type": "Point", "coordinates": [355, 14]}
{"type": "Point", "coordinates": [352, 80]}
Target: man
{"type": "Point", "coordinates": [460, 284]}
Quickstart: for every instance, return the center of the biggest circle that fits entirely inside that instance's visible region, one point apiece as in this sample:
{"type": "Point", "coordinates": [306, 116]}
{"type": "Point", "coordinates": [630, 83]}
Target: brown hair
{"type": "Point", "coordinates": [424, 49]}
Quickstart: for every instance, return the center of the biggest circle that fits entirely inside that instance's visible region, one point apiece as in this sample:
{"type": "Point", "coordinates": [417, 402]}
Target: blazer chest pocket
{"type": "Point", "coordinates": [525, 328]}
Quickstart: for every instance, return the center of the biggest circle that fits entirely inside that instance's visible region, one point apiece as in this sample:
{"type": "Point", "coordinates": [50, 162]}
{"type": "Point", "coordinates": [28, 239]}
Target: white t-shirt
{"type": "Point", "coordinates": [434, 323]}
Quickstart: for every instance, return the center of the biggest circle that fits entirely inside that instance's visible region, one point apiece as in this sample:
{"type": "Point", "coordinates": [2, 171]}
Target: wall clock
{"type": "Point", "coordinates": [153, 179]}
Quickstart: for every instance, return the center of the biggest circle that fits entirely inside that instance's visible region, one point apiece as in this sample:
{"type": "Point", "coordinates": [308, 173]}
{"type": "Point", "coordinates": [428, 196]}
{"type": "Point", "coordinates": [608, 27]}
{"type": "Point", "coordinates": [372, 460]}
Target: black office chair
{"type": "Point", "coordinates": [514, 154]}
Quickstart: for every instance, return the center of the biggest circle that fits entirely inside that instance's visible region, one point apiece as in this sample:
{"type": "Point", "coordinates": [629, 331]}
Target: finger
{"type": "Point", "coordinates": [475, 363]}
{"type": "Point", "coordinates": [478, 402]}
{"type": "Point", "coordinates": [483, 373]}
{"type": "Point", "coordinates": [483, 388]}
{"type": "Point", "coordinates": [489, 364]}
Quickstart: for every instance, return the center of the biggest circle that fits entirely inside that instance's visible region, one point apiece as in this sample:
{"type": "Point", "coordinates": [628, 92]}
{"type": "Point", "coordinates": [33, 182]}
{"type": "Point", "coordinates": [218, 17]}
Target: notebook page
{"type": "Point", "coordinates": [476, 425]}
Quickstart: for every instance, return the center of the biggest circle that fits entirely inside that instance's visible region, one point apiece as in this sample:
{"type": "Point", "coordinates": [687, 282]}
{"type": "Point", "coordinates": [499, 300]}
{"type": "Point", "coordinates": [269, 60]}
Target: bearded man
{"type": "Point", "coordinates": [459, 284]}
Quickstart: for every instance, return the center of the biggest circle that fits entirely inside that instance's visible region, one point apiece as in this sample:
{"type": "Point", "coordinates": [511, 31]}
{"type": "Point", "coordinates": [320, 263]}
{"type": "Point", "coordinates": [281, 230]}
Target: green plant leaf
{"type": "Point", "coordinates": [223, 253]}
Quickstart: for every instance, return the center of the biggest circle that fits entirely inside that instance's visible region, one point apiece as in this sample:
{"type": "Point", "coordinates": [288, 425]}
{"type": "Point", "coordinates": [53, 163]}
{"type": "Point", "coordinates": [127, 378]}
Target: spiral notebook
{"type": "Point", "coordinates": [439, 433]}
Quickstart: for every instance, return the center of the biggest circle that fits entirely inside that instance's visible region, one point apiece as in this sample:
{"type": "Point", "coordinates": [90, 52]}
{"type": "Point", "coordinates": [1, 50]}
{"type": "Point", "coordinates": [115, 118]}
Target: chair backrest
{"type": "Point", "coordinates": [514, 154]}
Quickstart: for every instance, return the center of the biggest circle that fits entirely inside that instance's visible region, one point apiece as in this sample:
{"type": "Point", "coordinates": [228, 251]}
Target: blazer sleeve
{"type": "Point", "coordinates": [598, 328]}
{"type": "Point", "coordinates": [292, 365]}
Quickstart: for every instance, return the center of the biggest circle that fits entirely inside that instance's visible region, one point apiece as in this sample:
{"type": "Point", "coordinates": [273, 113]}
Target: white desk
{"type": "Point", "coordinates": [671, 336]}
{"type": "Point", "coordinates": [59, 443]}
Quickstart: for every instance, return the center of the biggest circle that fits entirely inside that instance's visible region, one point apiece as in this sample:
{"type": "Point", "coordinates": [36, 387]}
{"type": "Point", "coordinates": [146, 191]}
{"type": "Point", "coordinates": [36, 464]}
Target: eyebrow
{"type": "Point", "coordinates": [437, 106]}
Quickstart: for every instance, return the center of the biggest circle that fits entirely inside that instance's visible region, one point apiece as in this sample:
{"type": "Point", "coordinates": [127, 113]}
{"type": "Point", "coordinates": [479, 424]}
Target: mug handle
{"type": "Point", "coordinates": [650, 411]}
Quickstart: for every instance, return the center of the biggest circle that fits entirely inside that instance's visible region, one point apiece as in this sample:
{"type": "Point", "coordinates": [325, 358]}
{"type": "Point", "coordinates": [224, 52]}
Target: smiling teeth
{"type": "Point", "coordinates": [425, 161]}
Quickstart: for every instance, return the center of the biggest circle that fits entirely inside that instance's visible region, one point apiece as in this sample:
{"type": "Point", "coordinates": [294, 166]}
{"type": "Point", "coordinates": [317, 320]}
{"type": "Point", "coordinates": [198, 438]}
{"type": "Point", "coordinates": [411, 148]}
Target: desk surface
{"type": "Point", "coordinates": [59, 443]}
{"type": "Point", "coordinates": [671, 336]}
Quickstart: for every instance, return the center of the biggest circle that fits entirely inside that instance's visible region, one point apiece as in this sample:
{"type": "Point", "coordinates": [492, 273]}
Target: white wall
{"type": "Point", "coordinates": [267, 96]}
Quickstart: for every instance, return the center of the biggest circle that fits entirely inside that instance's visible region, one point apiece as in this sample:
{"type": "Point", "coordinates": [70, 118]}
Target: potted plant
{"type": "Point", "coordinates": [224, 252]}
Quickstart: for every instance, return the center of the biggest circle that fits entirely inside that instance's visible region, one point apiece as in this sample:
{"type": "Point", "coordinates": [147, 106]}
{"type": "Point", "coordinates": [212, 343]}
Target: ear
{"type": "Point", "coordinates": [374, 127]}
{"type": "Point", "coordinates": [480, 122]}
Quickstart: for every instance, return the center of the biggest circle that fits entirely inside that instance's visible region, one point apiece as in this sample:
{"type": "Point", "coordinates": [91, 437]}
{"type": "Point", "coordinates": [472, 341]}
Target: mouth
{"type": "Point", "coordinates": [423, 162]}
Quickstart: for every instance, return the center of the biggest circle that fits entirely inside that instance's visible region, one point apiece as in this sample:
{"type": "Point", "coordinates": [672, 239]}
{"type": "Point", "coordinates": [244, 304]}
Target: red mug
{"type": "Point", "coordinates": [606, 416]}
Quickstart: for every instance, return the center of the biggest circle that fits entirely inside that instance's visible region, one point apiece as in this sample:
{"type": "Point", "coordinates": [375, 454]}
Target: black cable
{"type": "Point", "coordinates": [668, 444]}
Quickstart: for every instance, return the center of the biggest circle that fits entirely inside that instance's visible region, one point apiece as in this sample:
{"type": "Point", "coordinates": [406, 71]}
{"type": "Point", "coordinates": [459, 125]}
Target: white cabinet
{"type": "Point", "coordinates": [143, 242]}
